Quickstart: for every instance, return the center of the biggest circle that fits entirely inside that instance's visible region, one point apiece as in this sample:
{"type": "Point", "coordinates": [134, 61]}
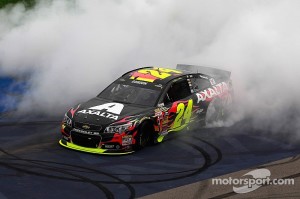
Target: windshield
{"type": "Point", "coordinates": [130, 94]}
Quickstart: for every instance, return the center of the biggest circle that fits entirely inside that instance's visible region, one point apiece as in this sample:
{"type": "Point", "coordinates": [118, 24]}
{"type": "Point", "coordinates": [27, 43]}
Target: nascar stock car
{"type": "Point", "coordinates": [144, 105]}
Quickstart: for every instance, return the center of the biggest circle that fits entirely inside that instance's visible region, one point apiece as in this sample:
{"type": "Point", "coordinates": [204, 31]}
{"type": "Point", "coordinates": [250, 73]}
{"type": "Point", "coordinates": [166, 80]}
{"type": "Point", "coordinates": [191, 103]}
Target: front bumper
{"type": "Point", "coordinates": [73, 146]}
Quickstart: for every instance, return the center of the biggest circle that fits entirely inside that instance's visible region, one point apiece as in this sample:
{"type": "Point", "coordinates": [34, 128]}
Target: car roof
{"type": "Point", "coordinates": [155, 78]}
{"type": "Point", "coordinates": [155, 75]}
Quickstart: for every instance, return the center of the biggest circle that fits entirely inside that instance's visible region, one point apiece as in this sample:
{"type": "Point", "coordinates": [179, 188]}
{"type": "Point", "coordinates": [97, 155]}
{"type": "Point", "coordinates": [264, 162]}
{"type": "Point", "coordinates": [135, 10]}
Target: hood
{"type": "Point", "coordinates": [104, 112]}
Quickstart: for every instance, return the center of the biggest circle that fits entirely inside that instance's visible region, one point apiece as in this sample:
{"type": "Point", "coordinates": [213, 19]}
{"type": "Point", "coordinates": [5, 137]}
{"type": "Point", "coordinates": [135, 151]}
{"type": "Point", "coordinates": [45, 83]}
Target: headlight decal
{"type": "Point", "coordinates": [127, 140]}
{"type": "Point", "coordinates": [118, 128]}
{"type": "Point", "coordinates": [67, 120]}
{"type": "Point", "coordinates": [123, 125]}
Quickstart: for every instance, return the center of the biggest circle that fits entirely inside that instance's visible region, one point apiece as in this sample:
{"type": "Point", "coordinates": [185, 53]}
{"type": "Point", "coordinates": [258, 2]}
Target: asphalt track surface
{"type": "Point", "coordinates": [287, 168]}
{"type": "Point", "coordinates": [34, 165]}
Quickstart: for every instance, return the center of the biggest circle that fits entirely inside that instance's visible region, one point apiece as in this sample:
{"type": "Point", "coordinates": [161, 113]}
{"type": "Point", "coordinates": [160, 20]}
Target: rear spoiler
{"type": "Point", "coordinates": [214, 72]}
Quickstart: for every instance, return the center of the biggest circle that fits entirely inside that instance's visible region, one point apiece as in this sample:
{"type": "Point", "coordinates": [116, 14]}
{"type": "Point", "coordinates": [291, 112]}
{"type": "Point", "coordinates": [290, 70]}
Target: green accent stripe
{"type": "Point", "coordinates": [90, 150]}
{"type": "Point", "coordinates": [178, 128]}
{"type": "Point", "coordinates": [160, 138]}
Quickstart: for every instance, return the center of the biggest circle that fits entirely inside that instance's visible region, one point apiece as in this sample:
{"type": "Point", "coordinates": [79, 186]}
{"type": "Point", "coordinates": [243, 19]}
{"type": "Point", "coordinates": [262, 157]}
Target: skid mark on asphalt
{"type": "Point", "coordinates": [182, 159]}
{"type": "Point", "coordinates": [78, 173]}
{"type": "Point", "coordinates": [35, 167]}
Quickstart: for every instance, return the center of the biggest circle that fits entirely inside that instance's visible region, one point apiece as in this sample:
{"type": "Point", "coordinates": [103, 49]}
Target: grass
{"type": "Point", "coordinates": [27, 3]}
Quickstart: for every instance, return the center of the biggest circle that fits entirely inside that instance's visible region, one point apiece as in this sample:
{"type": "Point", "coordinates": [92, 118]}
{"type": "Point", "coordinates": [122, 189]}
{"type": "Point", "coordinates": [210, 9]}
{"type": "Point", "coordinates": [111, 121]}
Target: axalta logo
{"type": "Point", "coordinates": [209, 93]}
{"type": "Point", "coordinates": [108, 110]}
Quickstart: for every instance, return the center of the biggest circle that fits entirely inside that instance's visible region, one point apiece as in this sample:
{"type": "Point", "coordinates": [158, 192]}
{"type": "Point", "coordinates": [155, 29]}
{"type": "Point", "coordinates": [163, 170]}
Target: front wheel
{"type": "Point", "coordinates": [144, 135]}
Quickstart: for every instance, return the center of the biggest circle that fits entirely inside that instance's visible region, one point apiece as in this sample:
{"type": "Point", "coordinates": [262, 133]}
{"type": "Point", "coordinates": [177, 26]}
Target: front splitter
{"type": "Point", "coordinates": [91, 150]}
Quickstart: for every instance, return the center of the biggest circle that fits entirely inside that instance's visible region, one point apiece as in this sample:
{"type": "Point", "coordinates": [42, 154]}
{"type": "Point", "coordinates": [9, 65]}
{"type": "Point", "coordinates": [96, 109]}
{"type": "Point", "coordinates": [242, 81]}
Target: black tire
{"type": "Point", "coordinates": [219, 111]}
{"type": "Point", "coordinates": [144, 136]}
{"type": "Point", "coordinates": [228, 105]}
{"type": "Point", "coordinates": [214, 113]}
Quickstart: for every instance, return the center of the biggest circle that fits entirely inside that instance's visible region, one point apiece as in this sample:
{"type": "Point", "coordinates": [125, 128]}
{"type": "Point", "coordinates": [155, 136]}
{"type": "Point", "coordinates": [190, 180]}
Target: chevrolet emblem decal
{"type": "Point", "coordinates": [86, 127]}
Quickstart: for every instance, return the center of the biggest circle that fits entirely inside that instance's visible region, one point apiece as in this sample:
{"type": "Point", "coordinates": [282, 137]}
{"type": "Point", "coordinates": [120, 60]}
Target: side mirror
{"type": "Point", "coordinates": [161, 105]}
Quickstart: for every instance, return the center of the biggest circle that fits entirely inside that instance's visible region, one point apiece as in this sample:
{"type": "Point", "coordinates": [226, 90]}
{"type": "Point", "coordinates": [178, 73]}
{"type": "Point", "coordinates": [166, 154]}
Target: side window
{"type": "Point", "coordinates": [199, 83]}
{"type": "Point", "coordinates": [177, 91]}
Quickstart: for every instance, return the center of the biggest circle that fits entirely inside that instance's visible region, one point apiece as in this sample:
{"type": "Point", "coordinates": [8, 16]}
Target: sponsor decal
{"type": "Point", "coordinates": [150, 75]}
{"type": "Point", "coordinates": [163, 133]}
{"type": "Point", "coordinates": [199, 111]}
{"type": "Point", "coordinates": [126, 140]}
{"type": "Point", "coordinates": [86, 132]}
{"type": "Point", "coordinates": [86, 127]}
{"type": "Point", "coordinates": [66, 138]}
{"type": "Point", "coordinates": [210, 93]}
{"type": "Point", "coordinates": [161, 104]}
{"type": "Point", "coordinates": [109, 146]}
{"type": "Point", "coordinates": [108, 110]}
{"type": "Point", "coordinates": [99, 113]}
{"type": "Point", "coordinates": [115, 108]}
{"type": "Point", "coordinates": [212, 81]}
{"type": "Point", "coordinates": [161, 114]}
{"type": "Point", "coordinates": [139, 82]}
{"type": "Point", "coordinates": [159, 86]}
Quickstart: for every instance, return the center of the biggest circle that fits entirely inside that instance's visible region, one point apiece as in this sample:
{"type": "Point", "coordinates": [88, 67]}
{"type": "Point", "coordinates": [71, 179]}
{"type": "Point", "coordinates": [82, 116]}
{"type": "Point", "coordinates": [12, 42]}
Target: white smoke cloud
{"type": "Point", "coordinates": [74, 49]}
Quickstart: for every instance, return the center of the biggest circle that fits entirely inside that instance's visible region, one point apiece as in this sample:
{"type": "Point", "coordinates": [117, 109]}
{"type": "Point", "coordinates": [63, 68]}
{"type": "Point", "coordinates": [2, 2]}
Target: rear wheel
{"type": "Point", "coordinates": [214, 113]}
{"type": "Point", "coordinates": [219, 111]}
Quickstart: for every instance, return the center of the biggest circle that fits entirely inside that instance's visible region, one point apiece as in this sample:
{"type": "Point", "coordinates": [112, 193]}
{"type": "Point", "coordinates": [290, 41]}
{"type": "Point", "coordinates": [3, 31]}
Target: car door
{"type": "Point", "coordinates": [179, 101]}
{"type": "Point", "coordinates": [199, 83]}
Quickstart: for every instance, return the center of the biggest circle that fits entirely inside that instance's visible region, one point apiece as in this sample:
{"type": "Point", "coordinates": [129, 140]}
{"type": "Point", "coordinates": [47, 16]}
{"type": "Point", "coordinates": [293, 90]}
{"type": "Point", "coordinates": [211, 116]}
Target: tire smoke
{"type": "Point", "coordinates": [73, 49]}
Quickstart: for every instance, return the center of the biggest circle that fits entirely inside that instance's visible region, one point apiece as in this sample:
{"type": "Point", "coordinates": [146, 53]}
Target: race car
{"type": "Point", "coordinates": [144, 105]}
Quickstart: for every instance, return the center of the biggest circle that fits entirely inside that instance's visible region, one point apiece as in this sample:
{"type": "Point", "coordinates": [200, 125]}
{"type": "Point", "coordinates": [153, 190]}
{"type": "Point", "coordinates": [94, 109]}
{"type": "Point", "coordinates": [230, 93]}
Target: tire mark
{"type": "Point", "coordinates": [107, 193]}
{"type": "Point", "coordinates": [59, 169]}
{"type": "Point", "coordinates": [207, 162]}
{"type": "Point", "coordinates": [195, 171]}
{"type": "Point", "coordinates": [219, 157]}
{"type": "Point", "coordinates": [219, 152]}
{"type": "Point", "coordinates": [293, 159]}
{"type": "Point", "coordinates": [48, 165]}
